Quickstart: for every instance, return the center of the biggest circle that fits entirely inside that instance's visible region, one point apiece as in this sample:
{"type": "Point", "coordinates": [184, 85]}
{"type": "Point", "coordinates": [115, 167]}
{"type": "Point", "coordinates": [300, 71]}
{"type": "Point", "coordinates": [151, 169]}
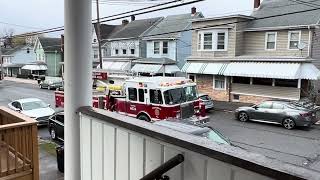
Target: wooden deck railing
{"type": "Point", "coordinates": [19, 156]}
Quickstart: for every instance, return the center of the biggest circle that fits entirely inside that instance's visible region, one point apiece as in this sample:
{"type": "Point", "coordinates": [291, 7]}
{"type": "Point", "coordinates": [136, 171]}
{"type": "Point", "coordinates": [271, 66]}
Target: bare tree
{"type": "Point", "coordinates": [8, 34]}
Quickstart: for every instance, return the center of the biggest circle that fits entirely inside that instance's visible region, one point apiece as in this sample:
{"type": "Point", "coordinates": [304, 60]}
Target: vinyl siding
{"type": "Point", "coordinates": [230, 52]}
{"type": "Point", "coordinates": [254, 44]}
{"type": "Point", "coordinates": [53, 60]}
{"type": "Point", "coordinates": [316, 47]}
{"type": "Point", "coordinates": [184, 48]}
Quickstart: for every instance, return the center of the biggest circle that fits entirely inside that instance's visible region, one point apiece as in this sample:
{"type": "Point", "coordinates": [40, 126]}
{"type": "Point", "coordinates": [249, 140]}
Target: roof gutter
{"type": "Point", "coordinates": [282, 28]}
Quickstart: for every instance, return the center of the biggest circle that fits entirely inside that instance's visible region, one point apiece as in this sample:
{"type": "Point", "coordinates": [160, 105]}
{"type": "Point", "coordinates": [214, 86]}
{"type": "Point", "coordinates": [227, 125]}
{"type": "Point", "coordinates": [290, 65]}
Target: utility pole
{"type": "Point", "coordinates": [99, 35]}
{"type": "Point", "coordinates": [1, 61]}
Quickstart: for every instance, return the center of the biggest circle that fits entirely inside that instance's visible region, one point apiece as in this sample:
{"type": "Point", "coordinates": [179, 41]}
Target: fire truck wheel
{"type": "Point", "coordinates": [144, 118]}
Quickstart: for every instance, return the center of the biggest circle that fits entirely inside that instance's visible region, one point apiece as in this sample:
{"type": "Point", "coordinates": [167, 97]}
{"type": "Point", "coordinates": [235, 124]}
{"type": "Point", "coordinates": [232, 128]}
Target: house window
{"type": "Point", "coordinates": [236, 97]}
{"type": "Point", "coordinates": [165, 47]}
{"type": "Point", "coordinates": [124, 51]}
{"type": "Point", "coordinates": [156, 47]}
{"type": "Point", "coordinates": [117, 51]}
{"type": "Point", "coordinates": [219, 82]}
{"type": "Point", "coordinates": [132, 94]}
{"type": "Point", "coordinates": [132, 51]}
{"type": "Point", "coordinates": [271, 38]}
{"type": "Point", "coordinates": [95, 54]}
{"type": "Point", "coordinates": [221, 41]}
{"type": "Point", "coordinates": [192, 77]}
{"type": "Point", "coordinates": [294, 39]}
{"type": "Point", "coordinates": [207, 41]}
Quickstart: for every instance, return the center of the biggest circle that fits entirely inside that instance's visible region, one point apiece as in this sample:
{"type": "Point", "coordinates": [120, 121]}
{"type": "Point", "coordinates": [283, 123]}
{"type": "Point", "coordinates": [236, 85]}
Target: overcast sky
{"type": "Point", "coordinates": [43, 14]}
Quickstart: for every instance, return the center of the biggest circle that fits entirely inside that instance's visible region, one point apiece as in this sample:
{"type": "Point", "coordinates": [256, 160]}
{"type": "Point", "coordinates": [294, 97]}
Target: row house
{"type": "Point", "coordinates": [258, 57]}
{"type": "Point", "coordinates": [125, 45]}
{"type": "Point", "coordinates": [166, 52]}
{"type": "Point", "coordinates": [48, 51]}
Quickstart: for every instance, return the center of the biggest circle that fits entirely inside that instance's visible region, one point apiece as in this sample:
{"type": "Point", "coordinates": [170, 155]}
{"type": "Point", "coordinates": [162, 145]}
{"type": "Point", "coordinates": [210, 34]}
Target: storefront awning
{"type": "Point", "coordinates": [272, 70]}
{"type": "Point", "coordinates": [115, 66]}
{"type": "Point", "coordinates": [35, 67]}
{"type": "Point", "coordinates": [170, 69]}
{"type": "Point", "coordinates": [147, 68]}
{"type": "Point", "coordinates": [194, 67]}
{"type": "Point", "coordinates": [204, 68]}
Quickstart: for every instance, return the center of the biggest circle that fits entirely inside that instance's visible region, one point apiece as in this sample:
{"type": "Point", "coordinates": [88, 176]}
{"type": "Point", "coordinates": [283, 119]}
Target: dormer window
{"type": "Point", "coordinates": [117, 51]}
{"type": "Point", "coordinates": [212, 40]}
{"type": "Point", "coordinates": [156, 47]}
{"type": "Point", "coordinates": [124, 51]}
{"type": "Point", "coordinates": [132, 51]}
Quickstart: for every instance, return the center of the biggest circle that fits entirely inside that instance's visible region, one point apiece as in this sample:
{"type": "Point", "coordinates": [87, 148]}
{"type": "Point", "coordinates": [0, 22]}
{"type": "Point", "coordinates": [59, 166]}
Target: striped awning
{"type": "Point", "coordinates": [275, 70]}
{"type": "Point", "coordinates": [147, 68]}
{"type": "Point", "coordinates": [35, 67]}
{"type": "Point", "coordinates": [115, 66]}
{"type": "Point", "coordinates": [204, 68]}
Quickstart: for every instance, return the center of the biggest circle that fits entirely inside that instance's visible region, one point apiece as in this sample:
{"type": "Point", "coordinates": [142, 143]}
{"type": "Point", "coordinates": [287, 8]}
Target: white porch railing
{"type": "Point", "coordinates": [115, 147]}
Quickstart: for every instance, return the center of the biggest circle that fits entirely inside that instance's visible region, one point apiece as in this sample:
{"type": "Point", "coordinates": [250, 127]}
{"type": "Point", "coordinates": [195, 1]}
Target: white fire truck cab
{"type": "Point", "coordinates": [159, 98]}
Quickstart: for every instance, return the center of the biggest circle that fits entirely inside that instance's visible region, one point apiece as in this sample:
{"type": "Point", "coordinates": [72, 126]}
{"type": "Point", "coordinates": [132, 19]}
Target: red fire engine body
{"type": "Point", "coordinates": [153, 99]}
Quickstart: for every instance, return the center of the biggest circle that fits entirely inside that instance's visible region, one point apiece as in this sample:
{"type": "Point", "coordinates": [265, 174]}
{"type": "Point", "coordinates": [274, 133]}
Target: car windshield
{"type": "Point", "coordinates": [33, 105]}
{"type": "Point", "coordinates": [215, 136]}
{"type": "Point", "coordinates": [205, 97]}
{"type": "Point", "coordinates": [180, 95]}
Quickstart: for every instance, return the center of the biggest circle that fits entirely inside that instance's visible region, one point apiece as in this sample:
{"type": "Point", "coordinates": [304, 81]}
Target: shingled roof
{"type": "Point", "coordinates": [134, 29]}
{"type": "Point", "coordinates": [171, 24]}
{"type": "Point", "coordinates": [50, 44]}
{"type": "Point", "coordinates": [278, 7]}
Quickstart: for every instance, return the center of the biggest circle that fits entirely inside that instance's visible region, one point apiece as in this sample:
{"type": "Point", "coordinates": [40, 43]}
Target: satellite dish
{"type": "Point", "coordinates": [301, 45]}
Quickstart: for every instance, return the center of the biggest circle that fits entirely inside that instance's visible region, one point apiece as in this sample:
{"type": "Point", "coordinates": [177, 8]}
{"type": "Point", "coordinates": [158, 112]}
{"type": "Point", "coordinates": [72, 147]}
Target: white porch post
{"type": "Point", "coordinates": [78, 78]}
{"type": "Point", "coordinates": [299, 83]}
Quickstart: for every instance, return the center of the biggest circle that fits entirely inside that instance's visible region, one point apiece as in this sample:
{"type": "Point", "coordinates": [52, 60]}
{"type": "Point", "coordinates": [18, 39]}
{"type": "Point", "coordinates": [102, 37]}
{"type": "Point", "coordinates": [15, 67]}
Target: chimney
{"type": "Point", "coordinates": [133, 18]}
{"type": "Point", "coordinates": [193, 10]}
{"type": "Point", "coordinates": [125, 22]}
{"type": "Point", "coordinates": [257, 3]}
{"type": "Point", "coordinates": [62, 42]}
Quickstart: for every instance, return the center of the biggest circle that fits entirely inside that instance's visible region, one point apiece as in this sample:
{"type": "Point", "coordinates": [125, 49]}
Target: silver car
{"type": "Point", "coordinates": [288, 114]}
{"type": "Point", "coordinates": [207, 101]}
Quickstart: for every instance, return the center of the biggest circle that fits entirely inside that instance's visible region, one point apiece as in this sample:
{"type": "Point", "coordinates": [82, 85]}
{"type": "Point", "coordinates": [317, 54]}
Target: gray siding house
{"type": "Point", "coordinates": [263, 56]}
{"type": "Point", "coordinates": [162, 44]}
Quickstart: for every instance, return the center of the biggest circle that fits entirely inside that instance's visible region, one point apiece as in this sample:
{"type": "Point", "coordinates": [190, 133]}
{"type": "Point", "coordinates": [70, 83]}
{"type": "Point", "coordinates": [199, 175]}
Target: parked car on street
{"type": "Point", "coordinates": [51, 84]}
{"type": "Point", "coordinates": [202, 131]}
{"type": "Point", "coordinates": [287, 113]}
{"type": "Point", "coordinates": [56, 126]}
{"type": "Point", "coordinates": [33, 108]}
{"type": "Point", "coordinates": [208, 102]}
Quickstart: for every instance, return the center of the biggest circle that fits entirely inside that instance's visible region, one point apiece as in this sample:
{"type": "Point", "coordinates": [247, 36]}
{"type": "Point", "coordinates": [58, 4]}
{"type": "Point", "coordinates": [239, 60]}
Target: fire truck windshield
{"type": "Point", "coordinates": [180, 95]}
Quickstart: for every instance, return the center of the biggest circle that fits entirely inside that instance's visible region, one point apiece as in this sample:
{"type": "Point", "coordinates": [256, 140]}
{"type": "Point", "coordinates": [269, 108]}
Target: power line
{"type": "Point", "coordinates": [60, 28]}
{"type": "Point", "coordinates": [222, 24]}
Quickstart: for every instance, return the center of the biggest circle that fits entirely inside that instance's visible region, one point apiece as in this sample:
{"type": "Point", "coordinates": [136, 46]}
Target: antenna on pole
{"type": "Point", "coordinates": [99, 35]}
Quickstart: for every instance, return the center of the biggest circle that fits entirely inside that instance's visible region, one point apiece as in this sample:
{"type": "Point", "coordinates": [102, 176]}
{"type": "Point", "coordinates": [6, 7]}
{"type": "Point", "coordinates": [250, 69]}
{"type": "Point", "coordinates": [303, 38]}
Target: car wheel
{"type": "Point", "coordinates": [243, 117]}
{"type": "Point", "coordinates": [288, 123]}
{"type": "Point", "coordinates": [144, 118]}
{"type": "Point", "coordinates": [53, 134]}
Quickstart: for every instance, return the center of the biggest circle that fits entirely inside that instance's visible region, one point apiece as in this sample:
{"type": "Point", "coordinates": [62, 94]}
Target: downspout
{"type": "Point", "coordinates": [310, 42]}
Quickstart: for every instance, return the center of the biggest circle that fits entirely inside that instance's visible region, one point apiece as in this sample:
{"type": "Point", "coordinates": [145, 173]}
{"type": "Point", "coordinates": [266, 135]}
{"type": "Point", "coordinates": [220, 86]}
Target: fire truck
{"type": "Point", "coordinates": [153, 99]}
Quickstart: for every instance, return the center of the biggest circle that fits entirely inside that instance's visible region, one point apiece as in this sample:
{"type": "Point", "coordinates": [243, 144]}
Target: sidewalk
{"type": "Point", "coordinates": [20, 80]}
{"type": "Point", "coordinates": [48, 162]}
{"type": "Point", "coordinates": [228, 106]}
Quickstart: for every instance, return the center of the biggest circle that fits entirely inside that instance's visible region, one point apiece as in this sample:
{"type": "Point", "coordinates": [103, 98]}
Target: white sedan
{"type": "Point", "coordinates": [34, 108]}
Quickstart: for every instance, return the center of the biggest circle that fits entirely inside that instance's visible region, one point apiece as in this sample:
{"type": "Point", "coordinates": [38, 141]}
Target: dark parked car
{"type": "Point", "coordinates": [208, 102]}
{"type": "Point", "coordinates": [49, 84]}
{"type": "Point", "coordinates": [288, 114]}
{"type": "Point", "coordinates": [202, 131]}
{"type": "Point", "coordinates": [56, 126]}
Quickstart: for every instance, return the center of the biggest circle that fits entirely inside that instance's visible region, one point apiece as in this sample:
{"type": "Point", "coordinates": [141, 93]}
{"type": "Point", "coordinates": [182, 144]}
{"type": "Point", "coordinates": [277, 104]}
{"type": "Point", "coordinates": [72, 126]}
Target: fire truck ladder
{"type": "Point", "coordinates": [157, 174]}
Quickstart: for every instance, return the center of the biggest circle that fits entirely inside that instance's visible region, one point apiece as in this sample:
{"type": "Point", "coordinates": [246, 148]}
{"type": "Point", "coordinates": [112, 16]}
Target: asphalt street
{"type": "Point", "coordinates": [299, 146]}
